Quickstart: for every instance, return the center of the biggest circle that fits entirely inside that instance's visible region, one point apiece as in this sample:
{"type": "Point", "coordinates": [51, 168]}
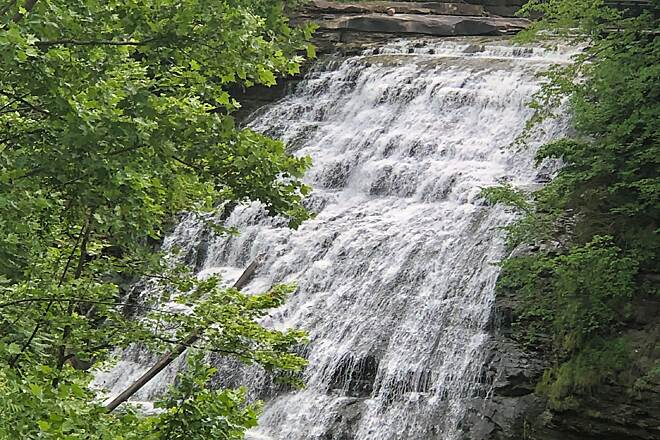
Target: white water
{"type": "Point", "coordinates": [395, 274]}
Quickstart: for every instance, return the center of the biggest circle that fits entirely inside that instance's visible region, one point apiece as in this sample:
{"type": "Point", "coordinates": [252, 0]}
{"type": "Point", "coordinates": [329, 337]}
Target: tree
{"type": "Point", "coordinates": [601, 212]}
{"type": "Point", "coordinates": [114, 117]}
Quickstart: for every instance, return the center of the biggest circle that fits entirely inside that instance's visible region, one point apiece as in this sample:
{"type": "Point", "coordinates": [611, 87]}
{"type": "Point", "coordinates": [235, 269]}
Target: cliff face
{"type": "Point", "coordinates": [503, 8]}
{"type": "Point", "coordinates": [351, 26]}
{"type": "Point", "coordinates": [624, 408]}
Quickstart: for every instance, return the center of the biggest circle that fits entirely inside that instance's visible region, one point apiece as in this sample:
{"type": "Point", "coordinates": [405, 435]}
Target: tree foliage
{"type": "Point", "coordinates": [596, 224]}
{"type": "Point", "coordinates": [114, 117]}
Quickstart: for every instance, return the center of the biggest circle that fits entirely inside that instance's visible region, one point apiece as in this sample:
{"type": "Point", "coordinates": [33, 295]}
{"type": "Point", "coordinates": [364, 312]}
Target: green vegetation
{"type": "Point", "coordinates": [596, 223]}
{"type": "Point", "coordinates": [114, 117]}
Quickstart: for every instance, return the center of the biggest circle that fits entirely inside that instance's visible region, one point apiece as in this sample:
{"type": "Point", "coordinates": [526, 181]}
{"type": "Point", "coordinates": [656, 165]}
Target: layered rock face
{"type": "Point", "coordinates": [436, 25]}
{"type": "Point", "coordinates": [625, 408]}
{"type": "Point", "coordinates": [349, 28]}
{"type": "Point", "coordinates": [353, 25]}
{"type": "Point", "coordinates": [503, 8]}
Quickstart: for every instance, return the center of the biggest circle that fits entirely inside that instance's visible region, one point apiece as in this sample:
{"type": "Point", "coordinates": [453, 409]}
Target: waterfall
{"type": "Point", "coordinates": [396, 272]}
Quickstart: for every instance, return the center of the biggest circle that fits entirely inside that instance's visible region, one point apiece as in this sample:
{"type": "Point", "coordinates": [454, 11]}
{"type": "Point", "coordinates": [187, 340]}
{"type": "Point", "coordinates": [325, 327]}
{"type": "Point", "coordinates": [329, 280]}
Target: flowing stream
{"type": "Point", "coordinates": [396, 273]}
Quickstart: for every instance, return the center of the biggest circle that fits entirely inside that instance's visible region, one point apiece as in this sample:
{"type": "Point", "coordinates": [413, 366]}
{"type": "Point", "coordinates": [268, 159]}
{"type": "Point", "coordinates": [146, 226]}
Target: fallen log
{"type": "Point", "coordinates": [171, 355]}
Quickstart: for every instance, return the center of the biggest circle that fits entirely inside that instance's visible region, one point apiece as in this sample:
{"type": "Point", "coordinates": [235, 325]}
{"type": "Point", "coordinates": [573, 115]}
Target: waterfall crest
{"type": "Point", "coordinates": [396, 273]}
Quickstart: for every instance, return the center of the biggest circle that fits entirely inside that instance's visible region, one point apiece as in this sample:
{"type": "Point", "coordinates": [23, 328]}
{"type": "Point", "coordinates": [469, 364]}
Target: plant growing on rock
{"type": "Point", "coordinates": [582, 292]}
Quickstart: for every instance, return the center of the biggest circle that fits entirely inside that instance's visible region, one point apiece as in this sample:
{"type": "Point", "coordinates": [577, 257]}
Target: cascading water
{"type": "Point", "coordinates": [396, 275]}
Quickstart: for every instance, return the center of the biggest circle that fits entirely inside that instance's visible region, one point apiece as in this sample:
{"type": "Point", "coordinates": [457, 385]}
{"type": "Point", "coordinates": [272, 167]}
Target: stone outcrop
{"type": "Point", "coordinates": [612, 411]}
{"type": "Point", "coordinates": [503, 8]}
{"type": "Point", "coordinates": [435, 25]}
{"type": "Point", "coordinates": [424, 8]}
{"type": "Point", "coordinates": [349, 27]}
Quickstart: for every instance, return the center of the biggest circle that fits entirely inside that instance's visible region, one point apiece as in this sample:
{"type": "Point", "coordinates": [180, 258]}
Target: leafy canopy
{"type": "Point", "coordinates": [114, 117]}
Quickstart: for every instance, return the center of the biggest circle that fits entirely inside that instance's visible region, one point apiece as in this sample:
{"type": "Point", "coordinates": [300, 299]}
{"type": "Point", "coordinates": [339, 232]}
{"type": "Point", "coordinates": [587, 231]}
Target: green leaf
{"type": "Point", "coordinates": [311, 51]}
{"type": "Point", "coordinates": [13, 348]}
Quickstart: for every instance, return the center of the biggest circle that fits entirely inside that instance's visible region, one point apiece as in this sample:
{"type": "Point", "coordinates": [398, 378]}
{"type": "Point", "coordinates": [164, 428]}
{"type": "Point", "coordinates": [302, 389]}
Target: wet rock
{"type": "Point", "coordinates": [336, 175]}
{"type": "Point", "coordinates": [614, 410]}
{"type": "Point", "coordinates": [436, 25]}
{"type": "Point", "coordinates": [355, 377]}
{"type": "Point", "coordinates": [475, 48]}
{"type": "Point", "coordinates": [345, 420]}
{"type": "Point", "coordinates": [423, 8]}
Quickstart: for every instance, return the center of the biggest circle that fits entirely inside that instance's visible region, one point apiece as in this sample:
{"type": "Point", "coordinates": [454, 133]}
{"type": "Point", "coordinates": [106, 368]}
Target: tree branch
{"type": "Point", "coordinates": [27, 103]}
{"type": "Point", "coordinates": [69, 310]}
{"type": "Point", "coordinates": [188, 344]}
{"type": "Point", "coordinates": [16, 358]}
{"type": "Point", "coordinates": [83, 300]}
{"type": "Point", "coordinates": [13, 100]}
{"type": "Point", "coordinates": [80, 177]}
{"type": "Point", "coordinates": [37, 326]}
{"type": "Point", "coordinates": [71, 42]}
{"type": "Point", "coordinates": [188, 164]}
{"type": "Point", "coordinates": [170, 356]}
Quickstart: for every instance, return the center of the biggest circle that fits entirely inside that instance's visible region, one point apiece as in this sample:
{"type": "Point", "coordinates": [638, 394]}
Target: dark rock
{"type": "Point", "coordinates": [256, 97]}
{"type": "Point", "coordinates": [422, 8]}
{"type": "Point", "coordinates": [355, 376]}
{"type": "Point", "coordinates": [474, 48]}
{"type": "Point", "coordinates": [436, 25]}
{"type": "Point", "coordinates": [612, 411]}
{"type": "Point", "coordinates": [335, 175]}
{"type": "Point", "coordinates": [345, 420]}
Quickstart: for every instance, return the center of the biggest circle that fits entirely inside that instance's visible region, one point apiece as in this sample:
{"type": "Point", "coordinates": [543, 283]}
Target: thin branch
{"type": "Point", "coordinates": [126, 150]}
{"type": "Point", "coordinates": [80, 177]}
{"type": "Point", "coordinates": [71, 42]}
{"type": "Point", "coordinates": [70, 258]}
{"type": "Point", "coordinates": [83, 245]}
{"type": "Point", "coordinates": [12, 110]}
{"type": "Point", "coordinates": [188, 344]}
{"type": "Point", "coordinates": [23, 101]}
{"type": "Point", "coordinates": [84, 300]}
{"type": "Point", "coordinates": [30, 173]}
{"type": "Point", "coordinates": [188, 164]}
{"type": "Point", "coordinates": [12, 101]}
{"type": "Point", "coordinates": [18, 355]}
{"type": "Point", "coordinates": [69, 310]}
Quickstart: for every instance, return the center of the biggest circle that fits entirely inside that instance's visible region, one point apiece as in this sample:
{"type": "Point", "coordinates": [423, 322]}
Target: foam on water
{"type": "Point", "coordinates": [396, 275]}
